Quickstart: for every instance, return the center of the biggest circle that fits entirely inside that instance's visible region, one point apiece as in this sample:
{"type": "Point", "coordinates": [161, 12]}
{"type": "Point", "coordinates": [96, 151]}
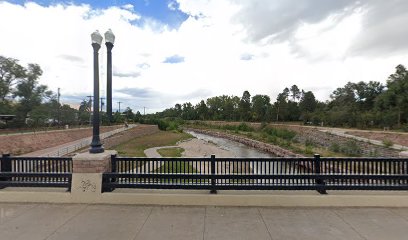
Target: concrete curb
{"type": "Point", "coordinates": [304, 199]}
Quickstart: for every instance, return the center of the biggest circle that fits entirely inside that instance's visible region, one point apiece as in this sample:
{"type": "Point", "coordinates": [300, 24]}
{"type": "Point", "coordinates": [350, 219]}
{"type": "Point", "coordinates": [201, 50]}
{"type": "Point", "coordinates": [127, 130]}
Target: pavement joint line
{"type": "Point", "coordinates": [350, 225]}
{"type": "Point", "coordinates": [266, 226]}
{"type": "Point", "coordinates": [147, 218]}
{"type": "Point", "coordinates": [398, 214]}
{"type": "Point", "coordinates": [68, 220]}
{"type": "Point", "coordinates": [205, 219]}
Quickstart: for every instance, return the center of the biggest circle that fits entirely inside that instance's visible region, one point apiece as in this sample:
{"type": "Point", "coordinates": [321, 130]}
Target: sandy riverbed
{"type": "Point", "coordinates": [200, 148]}
{"type": "Point", "coordinates": [194, 148]}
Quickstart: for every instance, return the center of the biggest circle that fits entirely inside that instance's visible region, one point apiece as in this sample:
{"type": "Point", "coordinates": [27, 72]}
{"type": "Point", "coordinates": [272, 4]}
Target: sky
{"type": "Point", "coordinates": [175, 51]}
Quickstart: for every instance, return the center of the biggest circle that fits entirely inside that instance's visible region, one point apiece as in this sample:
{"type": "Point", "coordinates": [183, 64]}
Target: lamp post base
{"type": "Point", "coordinates": [96, 149]}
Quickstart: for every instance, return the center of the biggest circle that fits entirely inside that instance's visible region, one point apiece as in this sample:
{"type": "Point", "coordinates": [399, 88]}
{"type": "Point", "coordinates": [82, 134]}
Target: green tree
{"type": "Point", "coordinates": [84, 111]}
{"type": "Point", "coordinates": [260, 105]}
{"type": "Point", "coordinates": [129, 113]}
{"type": "Point", "coordinates": [29, 92]}
{"type": "Point", "coordinates": [395, 99]}
{"type": "Point", "coordinates": [307, 106]}
{"type": "Point", "coordinates": [188, 112]}
{"type": "Point", "coordinates": [281, 105]}
{"type": "Point", "coordinates": [295, 93]}
{"type": "Point", "coordinates": [245, 107]}
{"type": "Point", "coordinates": [367, 93]}
{"type": "Point", "coordinates": [214, 108]}
{"type": "Point", "coordinates": [202, 110]}
{"type": "Point", "coordinates": [10, 73]}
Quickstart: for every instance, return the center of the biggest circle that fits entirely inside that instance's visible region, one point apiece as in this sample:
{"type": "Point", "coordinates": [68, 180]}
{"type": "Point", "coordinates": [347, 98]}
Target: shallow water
{"type": "Point", "coordinates": [238, 149]}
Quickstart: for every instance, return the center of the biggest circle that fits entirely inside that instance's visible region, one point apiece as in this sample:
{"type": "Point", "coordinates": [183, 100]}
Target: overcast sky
{"type": "Point", "coordinates": [173, 51]}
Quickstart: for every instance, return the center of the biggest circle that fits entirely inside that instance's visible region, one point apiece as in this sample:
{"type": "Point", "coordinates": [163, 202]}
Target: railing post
{"type": "Point", "coordinates": [5, 166]}
{"type": "Point", "coordinates": [213, 180]}
{"type": "Point", "coordinates": [112, 169]}
{"type": "Point", "coordinates": [317, 171]}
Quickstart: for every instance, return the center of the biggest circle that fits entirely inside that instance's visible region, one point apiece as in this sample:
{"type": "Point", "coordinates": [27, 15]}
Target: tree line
{"type": "Point", "coordinates": [362, 104]}
{"type": "Point", "coordinates": [33, 104]}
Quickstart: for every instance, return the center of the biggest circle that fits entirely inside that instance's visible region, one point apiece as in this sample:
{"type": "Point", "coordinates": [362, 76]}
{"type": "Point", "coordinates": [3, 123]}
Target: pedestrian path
{"type": "Point", "coordinates": [99, 222]}
{"type": "Point", "coordinates": [342, 133]}
{"type": "Point", "coordinates": [70, 147]}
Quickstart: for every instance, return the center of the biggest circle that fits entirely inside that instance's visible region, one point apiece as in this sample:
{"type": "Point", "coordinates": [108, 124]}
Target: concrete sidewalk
{"type": "Point", "coordinates": [75, 221]}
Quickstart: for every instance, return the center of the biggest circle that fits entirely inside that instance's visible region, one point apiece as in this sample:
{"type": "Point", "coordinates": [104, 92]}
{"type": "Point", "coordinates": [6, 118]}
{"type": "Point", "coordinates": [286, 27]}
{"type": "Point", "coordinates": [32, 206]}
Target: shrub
{"type": "Point", "coordinates": [163, 125]}
{"type": "Point", "coordinates": [309, 143]}
{"type": "Point", "coordinates": [387, 143]}
{"type": "Point", "coordinates": [280, 133]}
{"type": "Point", "coordinates": [308, 150]}
{"type": "Point", "coordinates": [245, 128]}
{"type": "Point", "coordinates": [351, 148]}
{"type": "Point", "coordinates": [334, 147]}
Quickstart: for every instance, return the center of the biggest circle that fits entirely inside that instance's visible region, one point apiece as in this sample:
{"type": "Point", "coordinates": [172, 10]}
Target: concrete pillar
{"type": "Point", "coordinates": [87, 175]}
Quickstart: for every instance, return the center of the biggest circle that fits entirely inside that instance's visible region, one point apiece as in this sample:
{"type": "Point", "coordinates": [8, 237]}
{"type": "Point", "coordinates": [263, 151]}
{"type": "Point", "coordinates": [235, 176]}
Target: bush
{"type": "Point", "coordinates": [163, 125]}
{"type": "Point", "coordinates": [387, 143]}
{"type": "Point", "coordinates": [334, 147]}
{"type": "Point", "coordinates": [245, 128]}
{"type": "Point", "coordinates": [308, 150]}
{"type": "Point", "coordinates": [280, 133]}
{"type": "Point", "coordinates": [309, 143]}
{"type": "Point", "coordinates": [405, 127]}
{"type": "Point", "coordinates": [350, 148]}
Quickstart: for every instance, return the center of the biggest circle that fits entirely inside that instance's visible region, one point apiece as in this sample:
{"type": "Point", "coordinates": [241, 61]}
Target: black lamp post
{"type": "Point", "coordinates": [96, 145]}
{"type": "Point", "coordinates": [109, 41]}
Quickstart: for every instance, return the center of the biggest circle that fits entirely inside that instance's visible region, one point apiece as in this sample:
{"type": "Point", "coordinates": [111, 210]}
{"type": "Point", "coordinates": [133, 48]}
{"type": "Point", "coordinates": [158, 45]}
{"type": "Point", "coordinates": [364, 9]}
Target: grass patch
{"type": "Point", "coordinates": [170, 152]}
{"type": "Point", "coordinates": [174, 166]}
{"type": "Point", "coordinates": [136, 146]}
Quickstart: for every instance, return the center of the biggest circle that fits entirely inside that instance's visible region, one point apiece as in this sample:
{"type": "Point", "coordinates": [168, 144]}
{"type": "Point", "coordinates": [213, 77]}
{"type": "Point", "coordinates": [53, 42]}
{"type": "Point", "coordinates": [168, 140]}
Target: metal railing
{"type": "Point", "coordinates": [35, 171]}
{"type": "Point", "coordinates": [214, 174]}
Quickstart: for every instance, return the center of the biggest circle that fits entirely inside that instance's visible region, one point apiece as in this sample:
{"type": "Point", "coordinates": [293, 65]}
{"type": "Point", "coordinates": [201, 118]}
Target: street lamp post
{"type": "Point", "coordinates": [109, 41]}
{"type": "Point", "coordinates": [96, 145]}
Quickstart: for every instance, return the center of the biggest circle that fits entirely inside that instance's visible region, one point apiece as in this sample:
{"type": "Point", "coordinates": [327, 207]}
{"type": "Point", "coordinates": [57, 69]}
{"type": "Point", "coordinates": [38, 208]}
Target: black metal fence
{"type": "Point", "coordinates": [35, 171]}
{"type": "Point", "coordinates": [214, 174]}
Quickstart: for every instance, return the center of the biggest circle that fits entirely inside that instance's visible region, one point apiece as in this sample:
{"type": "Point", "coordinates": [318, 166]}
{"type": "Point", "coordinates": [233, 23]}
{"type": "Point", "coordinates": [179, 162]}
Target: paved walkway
{"type": "Point", "coordinates": [342, 133]}
{"type": "Point", "coordinates": [99, 222]}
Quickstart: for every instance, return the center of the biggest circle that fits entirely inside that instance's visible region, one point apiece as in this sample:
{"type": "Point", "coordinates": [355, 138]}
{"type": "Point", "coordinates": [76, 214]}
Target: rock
{"type": "Point", "coordinates": [403, 154]}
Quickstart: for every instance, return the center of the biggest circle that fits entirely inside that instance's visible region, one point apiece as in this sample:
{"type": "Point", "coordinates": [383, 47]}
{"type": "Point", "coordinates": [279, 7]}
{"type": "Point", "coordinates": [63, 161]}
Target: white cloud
{"type": "Point", "coordinates": [213, 42]}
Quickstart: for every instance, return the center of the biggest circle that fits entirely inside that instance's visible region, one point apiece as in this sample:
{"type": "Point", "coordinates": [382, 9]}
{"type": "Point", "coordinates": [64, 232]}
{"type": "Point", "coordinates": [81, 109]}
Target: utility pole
{"type": "Point", "coordinates": [90, 109]}
{"type": "Point", "coordinates": [144, 110]}
{"type": "Point", "coordinates": [102, 103]}
{"type": "Point", "coordinates": [119, 105]}
{"type": "Point", "coordinates": [58, 112]}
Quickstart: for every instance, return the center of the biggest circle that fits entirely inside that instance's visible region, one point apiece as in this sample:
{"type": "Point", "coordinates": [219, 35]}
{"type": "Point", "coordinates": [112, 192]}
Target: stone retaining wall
{"type": "Point", "coordinates": [326, 140]}
{"type": "Point", "coordinates": [269, 148]}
